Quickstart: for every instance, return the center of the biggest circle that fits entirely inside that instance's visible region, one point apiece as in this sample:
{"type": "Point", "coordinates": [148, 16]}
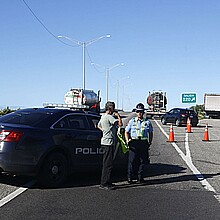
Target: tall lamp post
{"type": "Point", "coordinates": [107, 76]}
{"type": "Point", "coordinates": [84, 45]}
{"type": "Point", "coordinates": [107, 71]}
{"type": "Point", "coordinates": [117, 90]}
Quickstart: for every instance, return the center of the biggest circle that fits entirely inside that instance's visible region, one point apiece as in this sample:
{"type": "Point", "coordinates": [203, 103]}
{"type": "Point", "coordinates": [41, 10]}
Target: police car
{"type": "Point", "coordinates": [51, 143]}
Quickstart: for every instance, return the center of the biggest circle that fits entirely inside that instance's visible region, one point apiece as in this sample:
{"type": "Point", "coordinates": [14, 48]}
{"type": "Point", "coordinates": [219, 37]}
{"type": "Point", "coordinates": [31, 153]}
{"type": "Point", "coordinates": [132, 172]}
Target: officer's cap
{"type": "Point", "coordinates": [140, 107]}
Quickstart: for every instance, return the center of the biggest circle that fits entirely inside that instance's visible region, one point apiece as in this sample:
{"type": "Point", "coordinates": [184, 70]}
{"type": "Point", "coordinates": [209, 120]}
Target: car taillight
{"type": "Point", "coordinates": [10, 136]}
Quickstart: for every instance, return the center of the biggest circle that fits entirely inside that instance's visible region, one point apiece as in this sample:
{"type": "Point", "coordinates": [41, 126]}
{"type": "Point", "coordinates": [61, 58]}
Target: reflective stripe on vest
{"type": "Point", "coordinates": [140, 132]}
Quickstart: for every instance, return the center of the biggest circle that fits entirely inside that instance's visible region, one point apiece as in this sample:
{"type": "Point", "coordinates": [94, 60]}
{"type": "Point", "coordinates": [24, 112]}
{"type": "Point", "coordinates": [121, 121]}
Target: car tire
{"type": "Point", "coordinates": [54, 170]}
{"type": "Point", "coordinates": [163, 121]}
{"type": "Point", "coordinates": [177, 122]}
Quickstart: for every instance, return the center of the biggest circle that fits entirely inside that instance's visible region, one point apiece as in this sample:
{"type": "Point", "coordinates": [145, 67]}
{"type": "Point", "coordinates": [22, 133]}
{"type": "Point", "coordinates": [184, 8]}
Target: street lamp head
{"type": "Point", "coordinates": [108, 35]}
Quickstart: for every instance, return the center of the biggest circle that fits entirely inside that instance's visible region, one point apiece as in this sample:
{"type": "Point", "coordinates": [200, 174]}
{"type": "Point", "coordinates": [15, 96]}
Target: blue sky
{"type": "Point", "coordinates": [168, 45]}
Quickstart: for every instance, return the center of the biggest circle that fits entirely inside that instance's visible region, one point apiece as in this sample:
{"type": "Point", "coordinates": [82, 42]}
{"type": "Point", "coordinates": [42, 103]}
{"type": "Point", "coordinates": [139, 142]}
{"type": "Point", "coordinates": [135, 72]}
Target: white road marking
{"type": "Point", "coordinates": [188, 154]}
{"type": "Point", "coordinates": [16, 193]}
{"type": "Point", "coordinates": [188, 160]}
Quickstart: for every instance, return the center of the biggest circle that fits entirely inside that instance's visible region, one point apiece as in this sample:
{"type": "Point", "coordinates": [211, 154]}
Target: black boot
{"type": "Point", "coordinates": [141, 180]}
{"type": "Point", "coordinates": [130, 181]}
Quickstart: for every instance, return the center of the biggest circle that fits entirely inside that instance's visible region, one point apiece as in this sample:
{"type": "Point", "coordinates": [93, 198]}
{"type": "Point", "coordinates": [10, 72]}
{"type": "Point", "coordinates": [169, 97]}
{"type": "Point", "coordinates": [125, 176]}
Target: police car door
{"type": "Point", "coordinates": [83, 151]}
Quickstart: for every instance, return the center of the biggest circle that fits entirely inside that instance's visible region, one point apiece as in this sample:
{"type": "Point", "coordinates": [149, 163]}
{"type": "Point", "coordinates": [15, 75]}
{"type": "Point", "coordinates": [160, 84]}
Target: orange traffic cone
{"type": "Point", "coordinates": [206, 133]}
{"type": "Point", "coordinates": [189, 126]}
{"type": "Point", "coordinates": [171, 136]}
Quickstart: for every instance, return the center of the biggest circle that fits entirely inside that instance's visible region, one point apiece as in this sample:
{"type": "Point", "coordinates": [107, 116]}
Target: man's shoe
{"type": "Point", "coordinates": [107, 187]}
{"type": "Point", "coordinates": [130, 181]}
{"type": "Point", "coordinates": [141, 180]}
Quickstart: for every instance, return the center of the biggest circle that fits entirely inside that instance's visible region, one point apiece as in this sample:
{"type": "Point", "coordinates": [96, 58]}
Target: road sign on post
{"type": "Point", "coordinates": [189, 98]}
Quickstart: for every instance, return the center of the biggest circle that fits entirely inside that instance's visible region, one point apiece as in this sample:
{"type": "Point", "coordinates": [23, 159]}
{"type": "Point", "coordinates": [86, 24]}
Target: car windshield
{"type": "Point", "coordinates": [187, 111]}
{"type": "Point", "coordinates": [190, 112]}
{"type": "Point", "coordinates": [24, 118]}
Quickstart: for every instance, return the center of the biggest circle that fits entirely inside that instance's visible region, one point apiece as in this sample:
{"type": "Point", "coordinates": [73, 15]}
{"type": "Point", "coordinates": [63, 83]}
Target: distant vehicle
{"type": "Point", "coordinates": [83, 97]}
{"type": "Point", "coordinates": [157, 102]}
{"type": "Point", "coordinates": [51, 143]}
{"type": "Point", "coordinates": [79, 99]}
{"type": "Point", "coordinates": [179, 116]}
{"type": "Point", "coordinates": [212, 105]}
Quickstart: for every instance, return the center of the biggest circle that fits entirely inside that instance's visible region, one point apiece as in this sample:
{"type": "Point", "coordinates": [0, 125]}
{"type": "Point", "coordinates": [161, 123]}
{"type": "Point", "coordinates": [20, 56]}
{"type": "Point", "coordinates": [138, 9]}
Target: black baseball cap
{"type": "Point", "coordinates": [140, 107]}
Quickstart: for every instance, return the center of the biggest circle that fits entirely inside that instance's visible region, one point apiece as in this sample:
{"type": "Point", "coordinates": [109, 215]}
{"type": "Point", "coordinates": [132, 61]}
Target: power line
{"type": "Point", "coordinates": [94, 66]}
{"type": "Point", "coordinates": [46, 27]}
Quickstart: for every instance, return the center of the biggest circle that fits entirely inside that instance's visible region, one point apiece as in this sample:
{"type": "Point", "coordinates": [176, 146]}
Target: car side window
{"type": "Point", "coordinates": [77, 122]}
{"type": "Point", "coordinates": [93, 122]}
{"type": "Point", "coordinates": [171, 111]}
{"type": "Point", "coordinates": [62, 124]}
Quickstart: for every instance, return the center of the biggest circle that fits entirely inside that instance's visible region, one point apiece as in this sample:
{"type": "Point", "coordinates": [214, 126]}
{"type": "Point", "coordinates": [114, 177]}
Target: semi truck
{"type": "Point", "coordinates": [212, 105]}
{"type": "Point", "coordinates": [157, 102]}
{"type": "Point", "coordinates": [79, 99]}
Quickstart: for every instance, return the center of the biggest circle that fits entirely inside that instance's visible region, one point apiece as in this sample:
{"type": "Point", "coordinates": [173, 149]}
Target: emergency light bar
{"type": "Point", "coordinates": [71, 106]}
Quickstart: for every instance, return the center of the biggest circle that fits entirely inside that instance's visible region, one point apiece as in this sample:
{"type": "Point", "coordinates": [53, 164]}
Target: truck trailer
{"type": "Point", "coordinates": [79, 99]}
{"type": "Point", "coordinates": [212, 105]}
{"type": "Point", "coordinates": [157, 102]}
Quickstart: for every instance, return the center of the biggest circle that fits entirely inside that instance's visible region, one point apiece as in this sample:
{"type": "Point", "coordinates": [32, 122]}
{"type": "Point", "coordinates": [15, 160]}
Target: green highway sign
{"type": "Point", "coordinates": [189, 98]}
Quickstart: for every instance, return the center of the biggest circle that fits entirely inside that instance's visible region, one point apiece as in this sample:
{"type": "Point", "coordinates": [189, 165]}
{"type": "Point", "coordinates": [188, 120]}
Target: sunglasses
{"type": "Point", "coordinates": [139, 111]}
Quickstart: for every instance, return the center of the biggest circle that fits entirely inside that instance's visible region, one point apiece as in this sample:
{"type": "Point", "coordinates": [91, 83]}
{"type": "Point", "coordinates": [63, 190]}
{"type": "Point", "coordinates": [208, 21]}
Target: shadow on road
{"type": "Point", "coordinates": [119, 177]}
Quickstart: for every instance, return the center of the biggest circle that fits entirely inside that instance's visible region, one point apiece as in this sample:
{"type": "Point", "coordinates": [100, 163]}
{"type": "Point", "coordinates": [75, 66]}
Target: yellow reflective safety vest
{"type": "Point", "coordinates": [140, 130]}
{"type": "Point", "coordinates": [121, 140]}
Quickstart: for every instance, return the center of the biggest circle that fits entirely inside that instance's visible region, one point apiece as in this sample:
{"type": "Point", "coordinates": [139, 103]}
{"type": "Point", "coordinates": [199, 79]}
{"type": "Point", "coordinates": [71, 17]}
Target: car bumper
{"type": "Point", "coordinates": [192, 121]}
{"type": "Point", "coordinates": [18, 169]}
{"type": "Point", "coordinates": [17, 161]}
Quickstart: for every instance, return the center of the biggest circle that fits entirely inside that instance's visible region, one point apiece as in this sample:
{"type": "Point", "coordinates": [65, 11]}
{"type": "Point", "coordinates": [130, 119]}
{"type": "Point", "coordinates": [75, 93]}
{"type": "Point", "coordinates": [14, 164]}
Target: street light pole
{"type": "Point", "coordinates": [107, 76]}
{"type": "Point", "coordinates": [117, 91]}
{"type": "Point", "coordinates": [84, 45]}
{"type": "Point", "coordinates": [107, 71]}
{"type": "Point", "coordinates": [84, 65]}
{"type": "Point", "coordinates": [122, 103]}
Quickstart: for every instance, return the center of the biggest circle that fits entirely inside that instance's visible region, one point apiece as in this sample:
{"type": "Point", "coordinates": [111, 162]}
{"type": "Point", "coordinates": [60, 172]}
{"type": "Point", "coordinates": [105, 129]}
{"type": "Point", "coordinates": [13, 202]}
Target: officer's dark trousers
{"type": "Point", "coordinates": [138, 158]}
{"type": "Point", "coordinates": [107, 165]}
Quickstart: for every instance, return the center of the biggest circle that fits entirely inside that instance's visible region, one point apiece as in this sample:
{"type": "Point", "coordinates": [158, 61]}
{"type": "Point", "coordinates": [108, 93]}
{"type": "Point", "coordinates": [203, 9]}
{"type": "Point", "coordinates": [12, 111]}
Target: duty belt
{"type": "Point", "coordinates": [140, 138]}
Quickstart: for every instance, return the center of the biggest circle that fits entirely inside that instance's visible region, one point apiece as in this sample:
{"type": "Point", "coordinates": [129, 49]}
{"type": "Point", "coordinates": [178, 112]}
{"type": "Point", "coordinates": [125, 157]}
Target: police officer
{"type": "Point", "coordinates": [139, 136]}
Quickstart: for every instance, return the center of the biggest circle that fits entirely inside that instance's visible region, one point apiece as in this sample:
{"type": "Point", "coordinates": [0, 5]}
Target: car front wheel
{"type": "Point", "coordinates": [54, 171]}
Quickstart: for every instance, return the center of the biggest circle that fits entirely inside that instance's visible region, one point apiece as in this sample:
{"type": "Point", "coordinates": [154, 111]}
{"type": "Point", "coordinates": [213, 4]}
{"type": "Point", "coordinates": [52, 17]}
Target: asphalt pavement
{"type": "Point", "coordinates": [173, 188]}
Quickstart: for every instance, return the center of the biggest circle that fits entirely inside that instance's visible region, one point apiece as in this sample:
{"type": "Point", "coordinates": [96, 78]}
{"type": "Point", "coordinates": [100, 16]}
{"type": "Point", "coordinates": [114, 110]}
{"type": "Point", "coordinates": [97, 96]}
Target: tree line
{"type": "Point", "coordinates": [200, 110]}
{"type": "Point", "coordinates": [6, 111]}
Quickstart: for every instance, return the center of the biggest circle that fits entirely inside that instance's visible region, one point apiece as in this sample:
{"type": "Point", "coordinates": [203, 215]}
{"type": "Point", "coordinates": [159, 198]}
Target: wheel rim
{"type": "Point", "coordinates": [57, 170]}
